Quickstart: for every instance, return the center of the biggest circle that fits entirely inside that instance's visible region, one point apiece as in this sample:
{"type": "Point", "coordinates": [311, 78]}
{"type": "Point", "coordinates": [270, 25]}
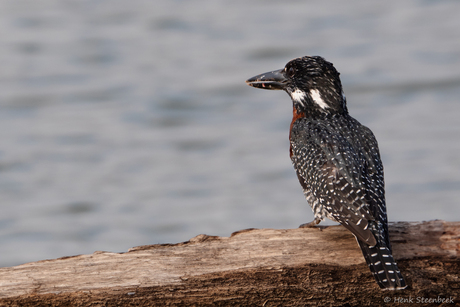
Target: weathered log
{"type": "Point", "coordinates": [260, 267]}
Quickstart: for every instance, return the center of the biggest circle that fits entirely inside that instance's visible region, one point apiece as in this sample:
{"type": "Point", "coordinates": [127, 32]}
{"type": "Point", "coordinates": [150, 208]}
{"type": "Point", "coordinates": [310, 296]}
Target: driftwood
{"type": "Point", "coordinates": [254, 267]}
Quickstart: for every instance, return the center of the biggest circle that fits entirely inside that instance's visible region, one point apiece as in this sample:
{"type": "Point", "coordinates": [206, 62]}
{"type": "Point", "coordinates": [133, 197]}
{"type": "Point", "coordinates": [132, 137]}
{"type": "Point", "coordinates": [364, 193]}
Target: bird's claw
{"type": "Point", "coordinates": [311, 224]}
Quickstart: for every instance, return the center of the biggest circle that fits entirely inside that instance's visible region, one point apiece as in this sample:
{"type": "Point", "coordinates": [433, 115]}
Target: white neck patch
{"type": "Point", "coordinates": [316, 97]}
{"type": "Point", "coordinates": [298, 96]}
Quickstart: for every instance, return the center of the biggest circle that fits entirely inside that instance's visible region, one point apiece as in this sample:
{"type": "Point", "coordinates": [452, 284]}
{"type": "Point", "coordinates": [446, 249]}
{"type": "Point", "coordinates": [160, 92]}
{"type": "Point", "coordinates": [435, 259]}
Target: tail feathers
{"type": "Point", "coordinates": [383, 266]}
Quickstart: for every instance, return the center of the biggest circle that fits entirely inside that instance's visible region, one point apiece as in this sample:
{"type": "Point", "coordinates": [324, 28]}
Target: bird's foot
{"type": "Point", "coordinates": [311, 224]}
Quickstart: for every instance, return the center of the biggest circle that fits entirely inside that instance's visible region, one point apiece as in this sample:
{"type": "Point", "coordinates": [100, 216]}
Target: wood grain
{"type": "Point", "coordinates": [253, 265]}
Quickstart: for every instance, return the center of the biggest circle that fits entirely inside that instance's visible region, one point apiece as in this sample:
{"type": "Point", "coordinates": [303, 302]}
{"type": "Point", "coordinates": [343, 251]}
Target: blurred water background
{"type": "Point", "coordinates": [125, 123]}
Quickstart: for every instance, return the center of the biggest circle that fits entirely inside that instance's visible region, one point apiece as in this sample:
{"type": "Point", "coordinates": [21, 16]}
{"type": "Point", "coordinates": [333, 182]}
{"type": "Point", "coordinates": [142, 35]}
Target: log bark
{"type": "Point", "coordinates": [320, 266]}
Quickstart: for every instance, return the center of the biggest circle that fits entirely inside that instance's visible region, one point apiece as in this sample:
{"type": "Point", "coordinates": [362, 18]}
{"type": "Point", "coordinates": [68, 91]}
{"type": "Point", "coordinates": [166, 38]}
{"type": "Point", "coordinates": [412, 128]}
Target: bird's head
{"type": "Point", "coordinates": [312, 82]}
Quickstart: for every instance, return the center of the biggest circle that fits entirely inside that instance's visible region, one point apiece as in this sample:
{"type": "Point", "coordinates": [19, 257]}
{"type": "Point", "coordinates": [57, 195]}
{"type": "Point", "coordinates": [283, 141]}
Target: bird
{"type": "Point", "coordinates": [337, 160]}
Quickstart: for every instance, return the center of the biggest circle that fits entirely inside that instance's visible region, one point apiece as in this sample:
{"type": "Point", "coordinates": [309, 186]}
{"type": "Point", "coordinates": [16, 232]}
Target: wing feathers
{"type": "Point", "coordinates": [341, 172]}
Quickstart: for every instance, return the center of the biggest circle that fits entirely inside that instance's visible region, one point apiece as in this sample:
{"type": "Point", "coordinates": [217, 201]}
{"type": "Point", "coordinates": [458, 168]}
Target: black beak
{"type": "Point", "coordinates": [273, 80]}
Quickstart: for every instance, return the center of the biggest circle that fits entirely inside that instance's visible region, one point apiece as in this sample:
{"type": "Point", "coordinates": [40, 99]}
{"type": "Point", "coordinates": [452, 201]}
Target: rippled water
{"type": "Point", "coordinates": [125, 123]}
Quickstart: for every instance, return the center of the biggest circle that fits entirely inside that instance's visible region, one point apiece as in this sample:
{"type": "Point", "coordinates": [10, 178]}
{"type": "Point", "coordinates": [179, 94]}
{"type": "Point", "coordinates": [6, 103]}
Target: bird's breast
{"type": "Point", "coordinates": [295, 116]}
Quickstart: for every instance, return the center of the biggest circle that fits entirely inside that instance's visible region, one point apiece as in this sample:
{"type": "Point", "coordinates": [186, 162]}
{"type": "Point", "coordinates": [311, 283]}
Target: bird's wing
{"type": "Point", "coordinates": [339, 177]}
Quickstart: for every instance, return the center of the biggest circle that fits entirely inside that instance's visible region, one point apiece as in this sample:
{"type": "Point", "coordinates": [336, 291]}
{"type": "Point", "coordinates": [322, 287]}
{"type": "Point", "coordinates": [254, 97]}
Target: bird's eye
{"type": "Point", "coordinates": [290, 71]}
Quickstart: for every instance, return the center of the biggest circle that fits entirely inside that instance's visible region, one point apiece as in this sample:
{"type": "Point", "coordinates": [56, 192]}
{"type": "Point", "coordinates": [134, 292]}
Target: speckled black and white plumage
{"type": "Point", "coordinates": [337, 160]}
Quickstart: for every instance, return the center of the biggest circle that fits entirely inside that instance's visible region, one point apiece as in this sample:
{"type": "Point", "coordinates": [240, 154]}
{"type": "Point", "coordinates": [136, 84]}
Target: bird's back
{"type": "Point", "coordinates": [338, 164]}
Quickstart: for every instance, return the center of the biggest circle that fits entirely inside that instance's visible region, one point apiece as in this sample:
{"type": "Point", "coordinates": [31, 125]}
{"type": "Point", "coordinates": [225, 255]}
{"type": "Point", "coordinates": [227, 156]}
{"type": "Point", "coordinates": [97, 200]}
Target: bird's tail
{"type": "Point", "coordinates": [383, 266]}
